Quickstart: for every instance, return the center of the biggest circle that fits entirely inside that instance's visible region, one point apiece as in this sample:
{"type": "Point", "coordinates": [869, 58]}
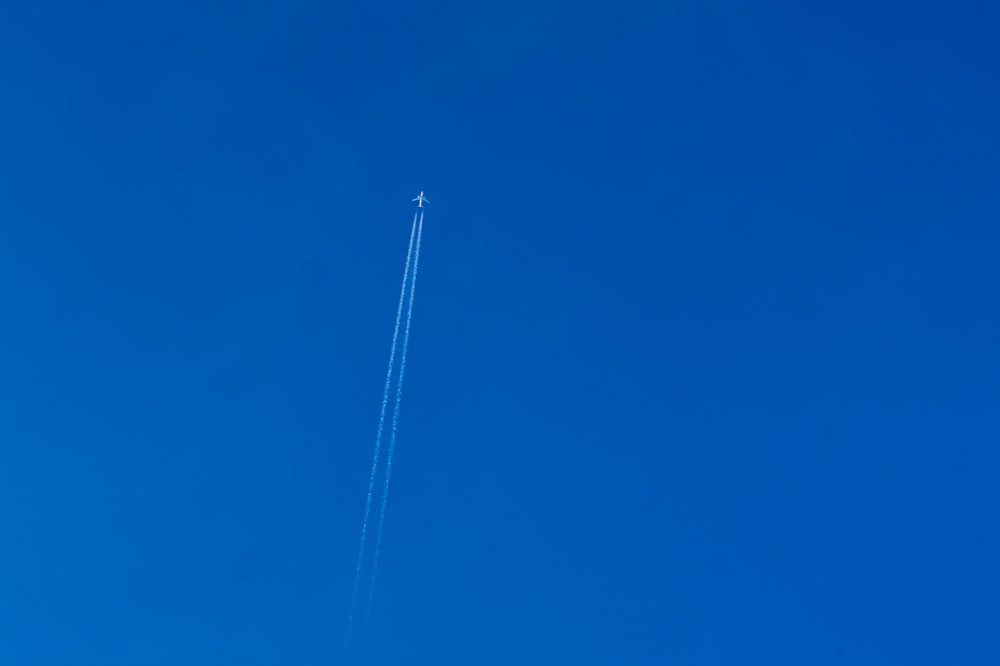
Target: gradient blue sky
{"type": "Point", "coordinates": [704, 365]}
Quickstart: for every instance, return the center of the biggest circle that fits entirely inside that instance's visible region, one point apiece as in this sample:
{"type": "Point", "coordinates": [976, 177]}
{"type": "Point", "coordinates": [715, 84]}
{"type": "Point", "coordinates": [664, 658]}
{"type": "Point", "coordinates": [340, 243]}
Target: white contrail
{"type": "Point", "coordinates": [378, 436]}
{"type": "Point", "coordinates": [395, 421]}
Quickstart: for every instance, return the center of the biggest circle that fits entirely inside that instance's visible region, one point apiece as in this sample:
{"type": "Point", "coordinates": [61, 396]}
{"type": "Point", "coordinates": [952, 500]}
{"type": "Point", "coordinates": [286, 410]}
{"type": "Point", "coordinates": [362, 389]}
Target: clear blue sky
{"type": "Point", "coordinates": [704, 364]}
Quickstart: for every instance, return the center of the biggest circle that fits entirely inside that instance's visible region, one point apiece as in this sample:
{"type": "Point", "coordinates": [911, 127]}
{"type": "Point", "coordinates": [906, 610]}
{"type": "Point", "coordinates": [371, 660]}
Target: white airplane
{"type": "Point", "coordinates": [421, 200]}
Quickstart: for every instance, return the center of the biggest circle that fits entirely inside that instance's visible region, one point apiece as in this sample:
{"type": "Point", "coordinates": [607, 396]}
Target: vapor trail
{"type": "Point", "coordinates": [395, 421]}
{"type": "Point", "coordinates": [378, 436]}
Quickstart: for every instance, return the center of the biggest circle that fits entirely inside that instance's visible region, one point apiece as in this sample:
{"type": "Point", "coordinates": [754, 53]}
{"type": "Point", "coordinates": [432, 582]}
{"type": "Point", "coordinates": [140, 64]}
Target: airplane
{"type": "Point", "coordinates": [421, 200]}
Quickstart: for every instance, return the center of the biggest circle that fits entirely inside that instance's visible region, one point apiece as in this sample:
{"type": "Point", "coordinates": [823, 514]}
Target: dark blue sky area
{"type": "Point", "coordinates": [704, 363]}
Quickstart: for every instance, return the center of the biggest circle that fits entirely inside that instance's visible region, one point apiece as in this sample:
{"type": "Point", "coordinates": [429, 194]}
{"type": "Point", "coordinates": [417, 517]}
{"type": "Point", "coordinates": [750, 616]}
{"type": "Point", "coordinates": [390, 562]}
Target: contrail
{"type": "Point", "coordinates": [378, 436]}
{"type": "Point", "coordinates": [395, 421]}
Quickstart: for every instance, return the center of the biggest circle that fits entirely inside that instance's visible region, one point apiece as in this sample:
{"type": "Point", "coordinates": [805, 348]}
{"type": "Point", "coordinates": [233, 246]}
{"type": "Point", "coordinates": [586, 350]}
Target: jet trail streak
{"type": "Point", "coordinates": [381, 428]}
{"type": "Point", "coordinates": [395, 421]}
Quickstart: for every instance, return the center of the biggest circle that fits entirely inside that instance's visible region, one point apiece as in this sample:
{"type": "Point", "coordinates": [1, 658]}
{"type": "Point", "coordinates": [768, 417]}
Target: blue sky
{"type": "Point", "coordinates": [703, 368]}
